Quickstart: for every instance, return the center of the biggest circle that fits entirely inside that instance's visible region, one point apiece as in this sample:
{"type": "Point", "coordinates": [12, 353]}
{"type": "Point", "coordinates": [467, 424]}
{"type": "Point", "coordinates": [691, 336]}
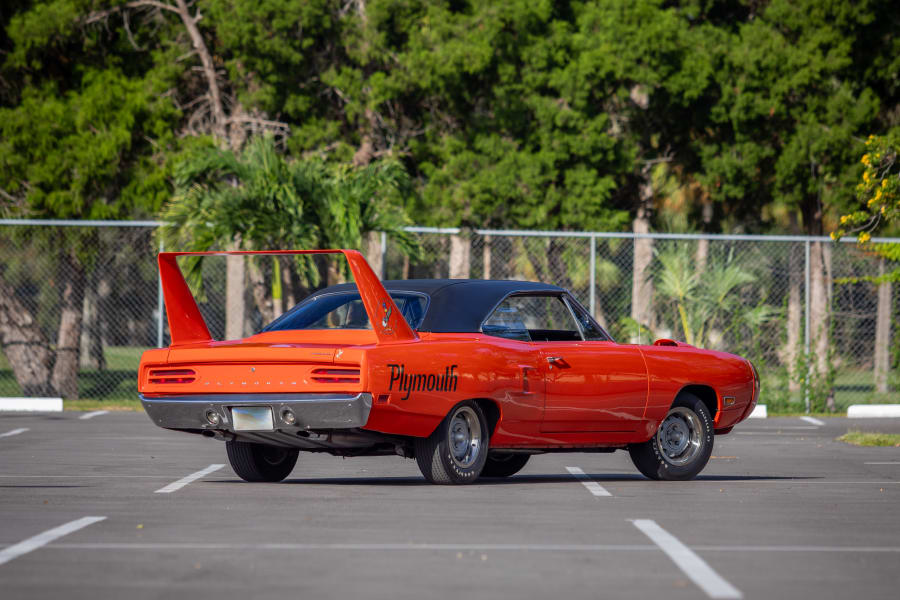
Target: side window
{"type": "Point", "coordinates": [533, 318]}
{"type": "Point", "coordinates": [592, 332]}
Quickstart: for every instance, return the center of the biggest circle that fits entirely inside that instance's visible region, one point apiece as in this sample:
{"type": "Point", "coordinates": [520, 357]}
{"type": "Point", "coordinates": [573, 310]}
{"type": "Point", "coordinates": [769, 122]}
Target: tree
{"type": "Point", "coordinates": [257, 199]}
{"type": "Point", "coordinates": [75, 143]}
{"type": "Point", "coordinates": [878, 194]}
{"type": "Point", "coordinates": [791, 111]}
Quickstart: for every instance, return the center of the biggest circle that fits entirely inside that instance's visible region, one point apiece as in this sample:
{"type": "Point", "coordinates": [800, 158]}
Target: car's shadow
{"type": "Point", "coordinates": [519, 479]}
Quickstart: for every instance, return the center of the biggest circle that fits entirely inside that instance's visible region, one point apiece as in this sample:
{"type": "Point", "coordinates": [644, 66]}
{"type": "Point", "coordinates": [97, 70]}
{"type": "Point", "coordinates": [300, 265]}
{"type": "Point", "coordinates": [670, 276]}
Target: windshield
{"type": "Point", "coordinates": [345, 310]}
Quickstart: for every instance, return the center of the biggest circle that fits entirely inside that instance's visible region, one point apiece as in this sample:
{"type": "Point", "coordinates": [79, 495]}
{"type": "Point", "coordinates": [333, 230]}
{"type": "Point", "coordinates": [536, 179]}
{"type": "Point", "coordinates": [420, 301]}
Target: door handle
{"type": "Point", "coordinates": [554, 359]}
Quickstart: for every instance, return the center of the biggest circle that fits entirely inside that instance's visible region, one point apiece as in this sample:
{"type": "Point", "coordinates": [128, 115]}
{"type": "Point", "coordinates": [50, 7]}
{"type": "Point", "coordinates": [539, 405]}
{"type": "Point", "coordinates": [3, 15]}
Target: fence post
{"type": "Point", "coordinates": [806, 358]}
{"type": "Point", "coordinates": [593, 294]}
{"type": "Point", "coordinates": [159, 306]}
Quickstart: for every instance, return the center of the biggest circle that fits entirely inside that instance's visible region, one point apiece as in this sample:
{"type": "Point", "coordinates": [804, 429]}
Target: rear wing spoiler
{"type": "Point", "coordinates": [187, 326]}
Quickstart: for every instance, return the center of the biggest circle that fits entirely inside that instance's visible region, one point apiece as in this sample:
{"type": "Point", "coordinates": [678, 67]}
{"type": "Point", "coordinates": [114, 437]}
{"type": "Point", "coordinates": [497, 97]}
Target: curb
{"type": "Point", "coordinates": [31, 404]}
{"type": "Point", "coordinates": [873, 411]}
{"type": "Point", "coordinates": [759, 412]}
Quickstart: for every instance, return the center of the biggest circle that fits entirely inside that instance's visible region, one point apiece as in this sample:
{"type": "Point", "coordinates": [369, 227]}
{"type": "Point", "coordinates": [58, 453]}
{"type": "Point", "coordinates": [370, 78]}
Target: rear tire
{"type": "Point", "coordinates": [260, 462]}
{"type": "Point", "coordinates": [456, 451]}
{"type": "Point", "coordinates": [504, 464]}
{"type": "Point", "coordinates": [681, 446]}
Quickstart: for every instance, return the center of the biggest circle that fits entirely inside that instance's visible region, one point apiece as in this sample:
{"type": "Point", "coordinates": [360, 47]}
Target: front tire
{"type": "Point", "coordinates": [260, 462]}
{"type": "Point", "coordinates": [681, 446]}
{"type": "Point", "coordinates": [504, 464]}
{"type": "Point", "coordinates": [456, 451]}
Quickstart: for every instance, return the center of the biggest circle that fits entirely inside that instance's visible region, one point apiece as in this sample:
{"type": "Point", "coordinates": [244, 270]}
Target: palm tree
{"type": "Point", "coordinates": [258, 199]}
{"type": "Point", "coordinates": [704, 301]}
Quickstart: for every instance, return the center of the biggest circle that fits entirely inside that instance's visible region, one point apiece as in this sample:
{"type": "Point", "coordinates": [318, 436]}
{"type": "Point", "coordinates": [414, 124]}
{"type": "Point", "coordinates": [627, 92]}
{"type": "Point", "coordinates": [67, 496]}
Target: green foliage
{"type": "Point", "coordinates": [706, 302]}
{"type": "Point", "coordinates": [526, 114]}
{"type": "Point", "coordinates": [272, 50]}
{"type": "Point", "coordinates": [257, 199]}
{"type": "Point", "coordinates": [85, 124]}
{"type": "Point", "coordinates": [792, 106]}
{"type": "Point", "coordinates": [878, 194]}
{"type": "Point", "coordinates": [84, 153]}
{"type": "Point", "coordinates": [814, 384]}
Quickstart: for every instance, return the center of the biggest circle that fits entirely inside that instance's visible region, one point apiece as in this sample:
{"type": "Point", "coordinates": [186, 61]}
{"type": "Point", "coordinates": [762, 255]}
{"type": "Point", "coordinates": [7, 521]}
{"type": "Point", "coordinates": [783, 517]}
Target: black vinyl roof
{"type": "Point", "coordinates": [456, 305]}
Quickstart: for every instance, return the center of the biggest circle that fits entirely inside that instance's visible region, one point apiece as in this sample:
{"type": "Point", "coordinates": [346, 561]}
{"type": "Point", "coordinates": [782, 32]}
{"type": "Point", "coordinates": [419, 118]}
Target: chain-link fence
{"type": "Point", "coordinates": [80, 302]}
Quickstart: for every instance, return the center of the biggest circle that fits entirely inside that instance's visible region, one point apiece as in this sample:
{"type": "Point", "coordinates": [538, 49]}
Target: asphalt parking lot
{"type": "Point", "coordinates": [782, 511]}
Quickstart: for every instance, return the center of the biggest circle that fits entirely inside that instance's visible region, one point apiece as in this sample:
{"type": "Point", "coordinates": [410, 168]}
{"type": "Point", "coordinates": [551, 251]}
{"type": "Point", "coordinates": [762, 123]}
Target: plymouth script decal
{"type": "Point", "coordinates": [419, 382]}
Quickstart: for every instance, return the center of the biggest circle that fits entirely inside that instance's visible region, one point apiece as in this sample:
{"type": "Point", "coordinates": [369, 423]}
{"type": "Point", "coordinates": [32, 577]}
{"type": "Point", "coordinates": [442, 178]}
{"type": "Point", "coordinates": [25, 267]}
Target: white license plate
{"type": "Point", "coordinates": [252, 418]}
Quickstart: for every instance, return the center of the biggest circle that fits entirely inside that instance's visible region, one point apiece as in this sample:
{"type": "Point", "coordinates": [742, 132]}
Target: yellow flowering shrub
{"type": "Point", "coordinates": [879, 193]}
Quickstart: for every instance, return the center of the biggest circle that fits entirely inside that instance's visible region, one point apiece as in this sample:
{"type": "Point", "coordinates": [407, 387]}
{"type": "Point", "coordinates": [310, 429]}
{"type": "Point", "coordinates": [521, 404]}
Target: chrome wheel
{"type": "Point", "coordinates": [465, 437]}
{"type": "Point", "coordinates": [457, 449]}
{"type": "Point", "coordinates": [680, 436]}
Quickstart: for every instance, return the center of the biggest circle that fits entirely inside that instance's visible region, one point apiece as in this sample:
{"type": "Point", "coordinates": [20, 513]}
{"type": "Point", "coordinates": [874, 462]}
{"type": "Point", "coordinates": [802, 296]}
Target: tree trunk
{"type": "Point", "coordinates": [260, 292]}
{"type": "Point", "coordinates": [234, 296]}
{"type": "Point", "coordinates": [65, 369]}
{"type": "Point", "coordinates": [93, 326]}
{"type": "Point", "coordinates": [820, 311]}
{"type": "Point", "coordinates": [24, 345]}
{"type": "Point", "coordinates": [486, 257]}
{"type": "Point", "coordinates": [288, 289]}
{"type": "Point", "coordinates": [703, 244]}
{"type": "Point", "coordinates": [557, 270]}
{"type": "Point", "coordinates": [334, 273]}
{"type": "Point", "coordinates": [89, 324]}
{"type": "Point", "coordinates": [217, 109]}
{"type": "Point", "coordinates": [375, 253]}
{"type": "Point", "coordinates": [794, 315]}
{"type": "Point", "coordinates": [437, 266]}
{"type": "Point", "coordinates": [641, 287]}
{"type": "Point", "coordinates": [460, 251]}
{"type": "Point", "coordinates": [882, 333]}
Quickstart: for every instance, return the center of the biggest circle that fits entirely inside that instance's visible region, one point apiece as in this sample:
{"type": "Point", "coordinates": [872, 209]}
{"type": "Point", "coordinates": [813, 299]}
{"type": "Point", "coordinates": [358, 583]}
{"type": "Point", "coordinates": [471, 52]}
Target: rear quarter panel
{"type": "Point", "coordinates": [455, 367]}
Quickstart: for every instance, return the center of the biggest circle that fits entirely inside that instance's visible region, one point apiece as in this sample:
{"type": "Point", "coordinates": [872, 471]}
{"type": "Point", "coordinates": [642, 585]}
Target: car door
{"type": "Point", "coordinates": [591, 383]}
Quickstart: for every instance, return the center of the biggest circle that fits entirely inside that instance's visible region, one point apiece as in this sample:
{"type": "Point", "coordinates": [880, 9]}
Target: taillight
{"type": "Point", "coordinates": [172, 376]}
{"type": "Point", "coordinates": [335, 375]}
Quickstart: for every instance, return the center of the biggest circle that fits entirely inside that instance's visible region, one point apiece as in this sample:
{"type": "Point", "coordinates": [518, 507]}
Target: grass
{"type": "Point", "coordinates": [862, 438]}
{"type": "Point", "coordinates": [88, 404]}
{"type": "Point", "coordinates": [852, 385]}
{"type": "Point", "coordinates": [113, 388]}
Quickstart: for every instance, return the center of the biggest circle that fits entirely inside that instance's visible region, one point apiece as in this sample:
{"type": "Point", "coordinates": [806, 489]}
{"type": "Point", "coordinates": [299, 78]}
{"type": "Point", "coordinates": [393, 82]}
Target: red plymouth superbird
{"type": "Point", "coordinates": [469, 377]}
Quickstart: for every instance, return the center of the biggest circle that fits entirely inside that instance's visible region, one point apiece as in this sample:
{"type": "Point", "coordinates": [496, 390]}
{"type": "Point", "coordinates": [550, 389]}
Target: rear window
{"type": "Point", "coordinates": [345, 310]}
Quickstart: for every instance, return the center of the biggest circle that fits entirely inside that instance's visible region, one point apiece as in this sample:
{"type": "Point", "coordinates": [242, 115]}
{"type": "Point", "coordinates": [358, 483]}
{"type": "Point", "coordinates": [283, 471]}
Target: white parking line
{"type": "Point", "coordinates": [92, 414]}
{"type": "Point", "coordinates": [813, 420]}
{"type": "Point", "coordinates": [7, 476]}
{"type": "Point", "coordinates": [786, 428]}
{"type": "Point", "coordinates": [882, 463]}
{"type": "Point", "coordinates": [592, 486]}
{"type": "Point", "coordinates": [14, 432]}
{"type": "Point", "coordinates": [41, 539]}
{"type": "Point", "coordinates": [177, 485]}
{"type": "Point", "coordinates": [685, 559]}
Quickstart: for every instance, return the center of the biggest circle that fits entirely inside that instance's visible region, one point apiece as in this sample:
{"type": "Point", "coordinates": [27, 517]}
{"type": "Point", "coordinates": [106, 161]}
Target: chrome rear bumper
{"type": "Point", "coordinates": [311, 411]}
